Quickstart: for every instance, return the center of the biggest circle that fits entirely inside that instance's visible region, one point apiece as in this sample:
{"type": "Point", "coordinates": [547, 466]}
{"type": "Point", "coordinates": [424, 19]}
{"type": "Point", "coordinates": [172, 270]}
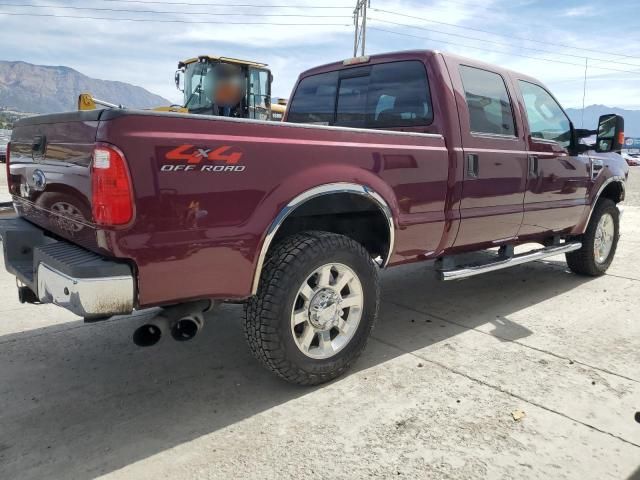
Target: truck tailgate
{"type": "Point", "coordinates": [49, 173]}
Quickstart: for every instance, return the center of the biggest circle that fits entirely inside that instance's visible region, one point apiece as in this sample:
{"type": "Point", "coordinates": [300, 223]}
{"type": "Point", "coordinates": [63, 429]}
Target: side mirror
{"type": "Point", "coordinates": [610, 133]}
{"type": "Point", "coordinates": [179, 78]}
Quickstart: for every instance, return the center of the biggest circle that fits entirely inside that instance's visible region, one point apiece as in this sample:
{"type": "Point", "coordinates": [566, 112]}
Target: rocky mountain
{"type": "Point", "coordinates": [43, 89]}
{"type": "Point", "coordinates": [592, 114]}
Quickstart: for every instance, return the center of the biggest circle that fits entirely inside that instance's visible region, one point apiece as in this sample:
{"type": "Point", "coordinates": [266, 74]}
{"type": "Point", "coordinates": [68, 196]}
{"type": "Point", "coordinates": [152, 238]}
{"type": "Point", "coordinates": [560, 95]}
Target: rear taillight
{"type": "Point", "coordinates": [111, 193]}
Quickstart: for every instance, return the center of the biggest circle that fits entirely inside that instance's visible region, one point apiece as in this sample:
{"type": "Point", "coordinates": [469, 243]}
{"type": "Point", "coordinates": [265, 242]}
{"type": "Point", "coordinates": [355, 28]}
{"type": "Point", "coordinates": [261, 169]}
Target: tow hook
{"type": "Point", "coordinates": [182, 322]}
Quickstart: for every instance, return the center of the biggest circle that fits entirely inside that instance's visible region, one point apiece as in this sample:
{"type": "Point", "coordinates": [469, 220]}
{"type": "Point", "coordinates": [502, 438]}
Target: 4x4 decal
{"type": "Point", "coordinates": [189, 158]}
{"type": "Point", "coordinates": [193, 154]}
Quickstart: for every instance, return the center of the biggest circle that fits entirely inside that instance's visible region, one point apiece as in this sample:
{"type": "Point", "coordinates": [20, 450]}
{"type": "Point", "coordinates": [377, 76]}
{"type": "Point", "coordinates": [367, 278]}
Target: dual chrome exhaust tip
{"type": "Point", "coordinates": [182, 322]}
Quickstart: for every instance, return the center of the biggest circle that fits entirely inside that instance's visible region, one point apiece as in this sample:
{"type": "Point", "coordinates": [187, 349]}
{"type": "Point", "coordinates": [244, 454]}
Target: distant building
{"type": "Point", "coordinates": [632, 143]}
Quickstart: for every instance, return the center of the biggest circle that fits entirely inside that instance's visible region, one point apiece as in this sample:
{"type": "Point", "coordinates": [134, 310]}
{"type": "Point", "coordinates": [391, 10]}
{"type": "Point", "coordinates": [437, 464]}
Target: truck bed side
{"type": "Point", "coordinates": [205, 218]}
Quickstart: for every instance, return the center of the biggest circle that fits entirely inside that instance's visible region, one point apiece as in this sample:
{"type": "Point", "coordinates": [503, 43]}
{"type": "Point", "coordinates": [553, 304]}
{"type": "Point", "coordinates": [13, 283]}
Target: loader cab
{"type": "Point", "coordinates": [223, 86]}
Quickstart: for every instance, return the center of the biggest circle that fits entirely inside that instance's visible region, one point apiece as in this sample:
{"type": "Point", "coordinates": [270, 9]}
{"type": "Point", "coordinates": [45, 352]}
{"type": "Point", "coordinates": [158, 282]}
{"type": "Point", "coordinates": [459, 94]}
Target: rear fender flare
{"type": "Point", "coordinates": [324, 189]}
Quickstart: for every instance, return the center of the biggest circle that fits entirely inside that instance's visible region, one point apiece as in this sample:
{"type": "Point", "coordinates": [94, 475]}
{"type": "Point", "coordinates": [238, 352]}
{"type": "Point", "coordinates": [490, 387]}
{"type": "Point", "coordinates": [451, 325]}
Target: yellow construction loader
{"type": "Point", "coordinates": [220, 86]}
{"type": "Point", "coordinates": [278, 109]}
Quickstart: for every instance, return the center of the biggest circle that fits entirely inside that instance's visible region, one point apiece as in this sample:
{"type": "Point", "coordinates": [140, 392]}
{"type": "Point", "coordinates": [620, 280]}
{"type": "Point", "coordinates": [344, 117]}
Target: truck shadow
{"type": "Point", "coordinates": [78, 401]}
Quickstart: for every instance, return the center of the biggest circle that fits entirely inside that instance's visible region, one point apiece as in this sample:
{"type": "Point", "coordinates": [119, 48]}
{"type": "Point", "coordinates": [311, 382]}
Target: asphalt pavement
{"type": "Point", "coordinates": [531, 372]}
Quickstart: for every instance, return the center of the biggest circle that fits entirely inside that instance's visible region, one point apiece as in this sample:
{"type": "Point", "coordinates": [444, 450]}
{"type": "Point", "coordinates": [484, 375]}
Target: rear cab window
{"type": "Point", "coordinates": [490, 110]}
{"type": "Point", "coordinates": [384, 95]}
{"type": "Point", "coordinates": [314, 100]}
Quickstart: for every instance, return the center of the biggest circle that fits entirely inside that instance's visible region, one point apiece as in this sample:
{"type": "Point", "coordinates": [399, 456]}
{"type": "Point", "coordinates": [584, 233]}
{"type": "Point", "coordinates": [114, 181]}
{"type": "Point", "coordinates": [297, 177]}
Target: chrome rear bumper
{"type": "Point", "coordinates": [86, 297]}
{"type": "Point", "coordinates": [56, 271]}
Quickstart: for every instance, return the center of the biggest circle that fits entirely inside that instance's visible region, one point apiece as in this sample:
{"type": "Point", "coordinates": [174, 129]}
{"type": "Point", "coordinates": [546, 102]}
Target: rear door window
{"type": "Point", "coordinates": [380, 96]}
{"type": "Point", "coordinates": [488, 102]}
{"type": "Point", "coordinates": [399, 96]}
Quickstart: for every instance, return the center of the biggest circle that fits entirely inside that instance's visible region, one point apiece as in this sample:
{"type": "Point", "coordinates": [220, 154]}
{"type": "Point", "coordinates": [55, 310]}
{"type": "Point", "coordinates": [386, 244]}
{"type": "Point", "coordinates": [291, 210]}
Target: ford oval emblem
{"type": "Point", "coordinates": [39, 180]}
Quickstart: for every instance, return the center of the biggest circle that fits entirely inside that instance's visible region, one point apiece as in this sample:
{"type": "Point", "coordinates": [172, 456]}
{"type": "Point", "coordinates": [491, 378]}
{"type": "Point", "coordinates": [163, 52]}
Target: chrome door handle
{"type": "Point", "coordinates": [533, 165]}
{"type": "Point", "coordinates": [472, 169]}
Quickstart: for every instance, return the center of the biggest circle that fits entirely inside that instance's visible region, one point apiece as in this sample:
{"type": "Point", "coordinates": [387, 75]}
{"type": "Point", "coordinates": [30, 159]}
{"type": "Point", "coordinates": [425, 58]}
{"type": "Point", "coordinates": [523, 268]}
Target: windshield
{"type": "Point", "coordinates": [216, 89]}
{"type": "Point", "coordinates": [199, 83]}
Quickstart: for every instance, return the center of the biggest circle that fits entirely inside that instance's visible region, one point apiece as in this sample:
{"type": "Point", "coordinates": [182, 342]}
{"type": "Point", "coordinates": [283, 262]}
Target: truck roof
{"type": "Point", "coordinates": [406, 55]}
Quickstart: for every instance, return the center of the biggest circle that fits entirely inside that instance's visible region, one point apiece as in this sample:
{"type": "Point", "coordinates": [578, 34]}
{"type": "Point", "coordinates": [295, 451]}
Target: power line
{"type": "Point", "coordinates": [504, 35]}
{"type": "Point", "coordinates": [494, 51]}
{"type": "Point", "coordinates": [298, 6]}
{"type": "Point", "coordinates": [491, 17]}
{"type": "Point", "coordinates": [153, 20]}
{"type": "Point", "coordinates": [241, 5]}
{"type": "Point", "coordinates": [264, 5]}
{"type": "Point", "coordinates": [302, 24]}
{"type": "Point", "coordinates": [359, 33]}
{"type": "Point", "coordinates": [130, 10]}
{"type": "Point", "coordinates": [582, 57]}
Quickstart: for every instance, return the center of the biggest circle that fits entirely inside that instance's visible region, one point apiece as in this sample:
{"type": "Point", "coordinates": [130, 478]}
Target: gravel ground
{"type": "Point", "coordinates": [436, 394]}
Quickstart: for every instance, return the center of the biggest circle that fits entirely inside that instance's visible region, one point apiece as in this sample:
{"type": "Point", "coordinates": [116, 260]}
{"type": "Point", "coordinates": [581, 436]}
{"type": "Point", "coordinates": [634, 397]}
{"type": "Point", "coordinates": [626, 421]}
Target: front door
{"type": "Point", "coordinates": [556, 193]}
{"type": "Point", "coordinates": [495, 160]}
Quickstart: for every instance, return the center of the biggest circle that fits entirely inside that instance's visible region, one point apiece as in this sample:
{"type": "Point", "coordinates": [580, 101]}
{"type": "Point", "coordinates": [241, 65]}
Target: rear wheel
{"type": "Point", "coordinates": [315, 307]}
{"type": "Point", "coordinates": [599, 242]}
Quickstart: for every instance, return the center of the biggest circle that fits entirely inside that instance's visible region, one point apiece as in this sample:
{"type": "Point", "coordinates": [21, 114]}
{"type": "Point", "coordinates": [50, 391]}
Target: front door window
{"type": "Point", "coordinates": [547, 121]}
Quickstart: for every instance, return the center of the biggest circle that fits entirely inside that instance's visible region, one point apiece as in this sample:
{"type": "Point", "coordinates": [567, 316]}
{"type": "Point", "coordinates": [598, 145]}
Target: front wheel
{"type": "Point", "coordinates": [315, 307]}
{"type": "Point", "coordinates": [599, 242]}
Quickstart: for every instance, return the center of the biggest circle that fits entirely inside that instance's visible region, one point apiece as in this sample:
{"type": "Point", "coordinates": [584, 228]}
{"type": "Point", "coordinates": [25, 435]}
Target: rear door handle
{"type": "Point", "coordinates": [533, 166]}
{"type": "Point", "coordinates": [472, 169]}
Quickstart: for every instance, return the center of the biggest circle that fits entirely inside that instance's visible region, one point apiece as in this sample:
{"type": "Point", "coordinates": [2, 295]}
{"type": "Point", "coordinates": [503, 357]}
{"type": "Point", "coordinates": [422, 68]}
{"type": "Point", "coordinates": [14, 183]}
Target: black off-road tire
{"type": "Point", "coordinates": [267, 323]}
{"type": "Point", "coordinates": [583, 261]}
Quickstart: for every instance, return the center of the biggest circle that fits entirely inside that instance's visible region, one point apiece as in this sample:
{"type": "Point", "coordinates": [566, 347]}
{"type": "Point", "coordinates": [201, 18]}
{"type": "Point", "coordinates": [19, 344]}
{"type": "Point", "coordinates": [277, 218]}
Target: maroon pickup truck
{"type": "Point", "coordinates": [380, 161]}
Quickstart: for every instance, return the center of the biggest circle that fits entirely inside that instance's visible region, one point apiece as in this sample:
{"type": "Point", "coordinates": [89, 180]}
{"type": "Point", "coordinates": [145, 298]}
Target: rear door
{"type": "Point", "coordinates": [495, 158]}
{"type": "Point", "coordinates": [556, 193]}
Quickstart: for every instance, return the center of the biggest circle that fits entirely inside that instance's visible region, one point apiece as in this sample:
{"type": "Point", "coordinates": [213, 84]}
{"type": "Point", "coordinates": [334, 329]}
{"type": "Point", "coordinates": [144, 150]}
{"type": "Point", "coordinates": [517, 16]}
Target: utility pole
{"type": "Point", "coordinates": [584, 90]}
{"type": "Point", "coordinates": [360, 35]}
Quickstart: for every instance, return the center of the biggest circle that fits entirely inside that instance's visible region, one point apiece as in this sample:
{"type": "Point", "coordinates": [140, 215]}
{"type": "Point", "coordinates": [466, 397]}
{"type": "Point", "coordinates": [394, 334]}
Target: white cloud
{"type": "Point", "coordinates": [582, 11]}
{"type": "Point", "coordinates": [146, 54]}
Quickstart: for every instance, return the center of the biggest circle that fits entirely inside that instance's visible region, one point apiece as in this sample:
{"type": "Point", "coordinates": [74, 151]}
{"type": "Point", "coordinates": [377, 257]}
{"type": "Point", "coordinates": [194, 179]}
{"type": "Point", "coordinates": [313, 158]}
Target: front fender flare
{"type": "Point", "coordinates": [596, 197]}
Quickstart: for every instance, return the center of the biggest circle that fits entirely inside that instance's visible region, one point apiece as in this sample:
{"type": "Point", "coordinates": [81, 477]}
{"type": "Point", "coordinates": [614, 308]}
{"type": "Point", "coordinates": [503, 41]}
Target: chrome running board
{"type": "Point", "coordinates": [465, 271]}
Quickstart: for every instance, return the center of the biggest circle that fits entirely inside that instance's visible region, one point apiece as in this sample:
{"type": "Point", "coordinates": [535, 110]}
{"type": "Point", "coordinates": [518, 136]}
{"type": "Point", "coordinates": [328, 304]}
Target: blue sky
{"type": "Point", "coordinates": [146, 53]}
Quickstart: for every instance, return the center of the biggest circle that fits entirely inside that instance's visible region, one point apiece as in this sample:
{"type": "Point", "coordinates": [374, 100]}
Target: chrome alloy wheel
{"type": "Point", "coordinates": [327, 311]}
{"type": "Point", "coordinates": [604, 238]}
